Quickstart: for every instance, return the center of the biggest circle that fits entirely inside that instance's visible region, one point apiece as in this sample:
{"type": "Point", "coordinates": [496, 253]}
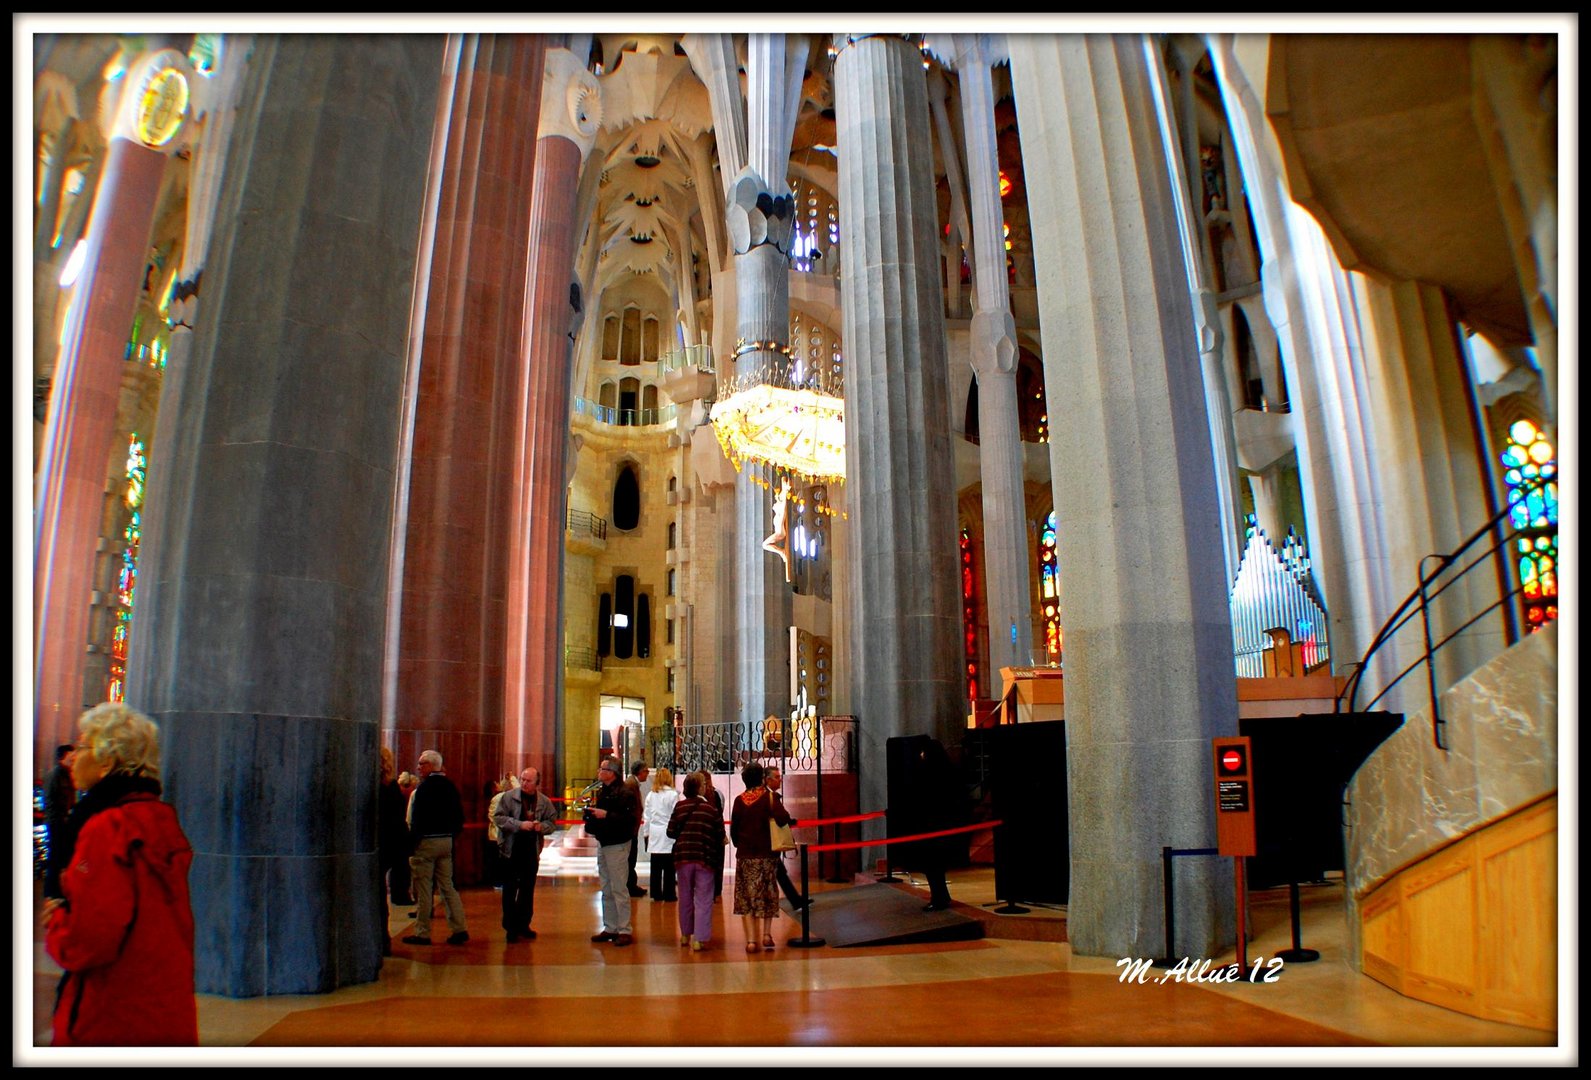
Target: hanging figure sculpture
{"type": "Point", "coordinates": [779, 541]}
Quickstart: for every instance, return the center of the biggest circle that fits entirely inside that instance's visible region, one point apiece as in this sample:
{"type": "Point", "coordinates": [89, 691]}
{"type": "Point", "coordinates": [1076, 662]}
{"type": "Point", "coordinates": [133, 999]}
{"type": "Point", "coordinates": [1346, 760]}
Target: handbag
{"type": "Point", "coordinates": [780, 837]}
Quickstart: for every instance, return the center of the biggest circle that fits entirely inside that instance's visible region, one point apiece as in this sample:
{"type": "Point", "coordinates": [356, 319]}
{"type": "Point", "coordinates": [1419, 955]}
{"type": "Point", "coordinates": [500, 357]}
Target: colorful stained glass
{"type": "Point", "coordinates": [127, 573]}
{"type": "Point", "coordinates": [1531, 469]}
{"type": "Point", "coordinates": [969, 615]}
{"type": "Point", "coordinates": [1050, 591]}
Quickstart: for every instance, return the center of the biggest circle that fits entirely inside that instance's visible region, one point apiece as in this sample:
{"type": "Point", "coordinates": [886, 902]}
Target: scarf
{"type": "Point", "coordinates": [109, 792]}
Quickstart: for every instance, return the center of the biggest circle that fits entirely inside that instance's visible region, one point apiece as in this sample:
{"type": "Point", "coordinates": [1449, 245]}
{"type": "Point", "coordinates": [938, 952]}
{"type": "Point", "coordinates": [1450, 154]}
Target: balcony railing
{"type": "Point", "coordinates": [696, 356]}
{"type": "Point", "coordinates": [582, 524]}
{"type": "Point", "coordinates": [581, 659]}
{"type": "Point", "coordinates": [608, 414]}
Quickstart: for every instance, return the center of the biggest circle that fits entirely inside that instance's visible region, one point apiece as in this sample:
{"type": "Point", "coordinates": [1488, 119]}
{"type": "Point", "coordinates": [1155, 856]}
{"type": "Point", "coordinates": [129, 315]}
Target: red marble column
{"type": "Point", "coordinates": [79, 431]}
{"type": "Point", "coordinates": [451, 629]}
{"type": "Point", "coordinates": [541, 497]}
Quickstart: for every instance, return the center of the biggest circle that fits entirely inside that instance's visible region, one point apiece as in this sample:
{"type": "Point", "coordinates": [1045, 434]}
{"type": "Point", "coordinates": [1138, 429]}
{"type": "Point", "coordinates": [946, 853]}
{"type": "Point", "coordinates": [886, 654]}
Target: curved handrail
{"type": "Point", "coordinates": [1417, 604]}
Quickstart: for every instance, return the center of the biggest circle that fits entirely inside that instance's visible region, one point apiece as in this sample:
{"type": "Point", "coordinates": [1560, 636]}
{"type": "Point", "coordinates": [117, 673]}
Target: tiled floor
{"type": "Point", "coordinates": [562, 991]}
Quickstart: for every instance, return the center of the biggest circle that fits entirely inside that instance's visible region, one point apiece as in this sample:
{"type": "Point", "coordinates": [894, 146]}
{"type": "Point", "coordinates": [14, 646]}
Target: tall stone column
{"type": "Point", "coordinates": [266, 666]}
{"type": "Point", "coordinates": [1304, 293]}
{"type": "Point", "coordinates": [80, 426]}
{"type": "Point", "coordinates": [907, 671]}
{"type": "Point", "coordinates": [994, 358]}
{"type": "Point", "coordinates": [759, 216]}
{"type": "Point", "coordinates": [535, 708]}
{"type": "Point", "coordinates": [1148, 630]}
{"type": "Point", "coordinates": [453, 615]}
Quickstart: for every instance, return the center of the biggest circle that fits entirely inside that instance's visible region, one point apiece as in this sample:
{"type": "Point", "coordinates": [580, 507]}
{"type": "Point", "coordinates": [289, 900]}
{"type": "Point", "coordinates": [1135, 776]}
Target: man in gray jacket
{"type": "Point", "coordinates": [523, 817]}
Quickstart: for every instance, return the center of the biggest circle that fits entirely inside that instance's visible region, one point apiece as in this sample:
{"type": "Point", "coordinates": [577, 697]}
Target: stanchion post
{"type": "Point", "coordinates": [1168, 889]}
{"type": "Point", "coordinates": [1297, 954]}
{"type": "Point", "coordinates": [806, 940]}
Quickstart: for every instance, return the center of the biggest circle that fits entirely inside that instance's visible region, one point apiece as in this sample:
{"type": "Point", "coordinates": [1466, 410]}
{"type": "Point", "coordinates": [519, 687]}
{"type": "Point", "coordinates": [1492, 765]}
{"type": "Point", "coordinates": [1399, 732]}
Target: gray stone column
{"type": "Point", "coordinates": [266, 660]}
{"type": "Point", "coordinates": [994, 358]}
{"type": "Point", "coordinates": [907, 670]}
{"type": "Point", "coordinates": [1148, 629]}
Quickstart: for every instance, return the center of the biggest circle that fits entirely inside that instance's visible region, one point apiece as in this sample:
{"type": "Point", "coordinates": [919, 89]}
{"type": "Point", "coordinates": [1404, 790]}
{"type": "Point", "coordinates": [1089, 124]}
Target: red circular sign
{"type": "Point", "coordinates": [1231, 761]}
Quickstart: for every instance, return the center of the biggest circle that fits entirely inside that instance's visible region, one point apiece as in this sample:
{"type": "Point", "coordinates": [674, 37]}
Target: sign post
{"type": "Point", "coordinates": [1234, 820]}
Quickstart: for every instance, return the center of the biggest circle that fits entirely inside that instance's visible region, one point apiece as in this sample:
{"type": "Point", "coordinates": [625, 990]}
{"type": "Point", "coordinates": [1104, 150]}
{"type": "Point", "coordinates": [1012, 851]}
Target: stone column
{"type": "Point", "coordinates": [1304, 290]}
{"type": "Point", "coordinates": [453, 614]}
{"type": "Point", "coordinates": [1148, 629]}
{"type": "Point", "coordinates": [1431, 463]}
{"type": "Point", "coordinates": [534, 703]}
{"type": "Point", "coordinates": [994, 358]}
{"type": "Point", "coordinates": [906, 674]}
{"type": "Point", "coordinates": [80, 426]}
{"type": "Point", "coordinates": [266, 665]}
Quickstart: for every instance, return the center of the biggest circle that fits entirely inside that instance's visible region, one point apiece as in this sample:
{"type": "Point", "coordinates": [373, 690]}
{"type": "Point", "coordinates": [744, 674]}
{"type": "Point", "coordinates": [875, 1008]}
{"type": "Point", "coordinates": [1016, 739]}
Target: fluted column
{"type": "Point", "coordinates": [80, 426]}
{"type": "Point", "coordinates": [453, 619]}
{"type": "Point", "coordinates": [1304, 290]}
{"type": "Point", "coordinates": [1148, 630]}
{"type": "Point", "coordinates": [535, 669]}
{"type": "Point", "coordinates": [906, 673]}
{"type": "Point", "coordinates": [266, 668]}
{"type": "Point", "coordinates": [994, 358]}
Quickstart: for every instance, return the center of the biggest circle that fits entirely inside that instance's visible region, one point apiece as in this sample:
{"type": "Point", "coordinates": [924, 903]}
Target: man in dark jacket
{"type": "Point", "coordinates": [523, 818]}
{"type": "Point", "coordinates": [60, 795]}
{"type": "Point", "coordinates": [612, 821]}
{"type": "Point", "coordinates": [436, 817]}
{"type": "Point", "coordinates": [637, 785]}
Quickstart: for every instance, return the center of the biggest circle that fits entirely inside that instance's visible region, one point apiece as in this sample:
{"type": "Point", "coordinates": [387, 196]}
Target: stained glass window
{"type": "Point", "coordinates": [127, 575]}
{"type": "Point", "coordinates": [969, 614]}
{"type": "Point", "coordinates": [1531, 465]}
{"type": "Point", "coordinates": [1050, 591]}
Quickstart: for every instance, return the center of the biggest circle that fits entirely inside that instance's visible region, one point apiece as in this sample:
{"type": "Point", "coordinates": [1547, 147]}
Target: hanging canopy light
{"type": "Point", "coordinates": [797, 430]}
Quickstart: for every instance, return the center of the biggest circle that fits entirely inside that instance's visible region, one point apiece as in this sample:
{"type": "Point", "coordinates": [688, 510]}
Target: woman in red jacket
{"type": "Point", "coordinates": [124, 928]}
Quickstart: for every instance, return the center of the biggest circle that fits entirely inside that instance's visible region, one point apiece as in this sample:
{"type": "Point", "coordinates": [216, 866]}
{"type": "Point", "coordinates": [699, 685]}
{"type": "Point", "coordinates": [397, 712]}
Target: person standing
{"type": "Point", "coordinates": [123, 925]}
{"type": "Point", "coordinates": [436, 816]}
{"type": "Point", "coordinates": [774, 778]}
{"type": "Point", "coordinates": [756, 893]}
{"type": "Point", "coordinates": [636, 783]}
{"type": "Point", "coordinates": [60, 795]}
{"type": "Point", "coordinates": [392, 843]}
{"type": "Point", "coordinates": [658, 808]}
{"type": "Point", "coordinates": [697, 829]}
{"type": "Point", "coordinates": [612, 820]}
{"type": "Point", "coordinates": [716, 800]}
{"type": "Point", "coordinates": [524, 817]}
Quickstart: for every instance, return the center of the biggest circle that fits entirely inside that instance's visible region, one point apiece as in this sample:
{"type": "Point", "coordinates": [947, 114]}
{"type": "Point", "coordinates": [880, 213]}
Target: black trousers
{"type": "Point", "coordinates": [791, 893]}
{"type": "Point", "coordinates": [519, 887]}
{"type": "Point", "coordinates": [635, 879]}
{"type": "Point", "coordinates": [663, 876]}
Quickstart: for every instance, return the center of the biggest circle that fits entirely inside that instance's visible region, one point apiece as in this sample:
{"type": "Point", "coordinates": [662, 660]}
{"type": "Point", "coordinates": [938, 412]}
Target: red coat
{"type": "Point", "coordinates": [125, 934]}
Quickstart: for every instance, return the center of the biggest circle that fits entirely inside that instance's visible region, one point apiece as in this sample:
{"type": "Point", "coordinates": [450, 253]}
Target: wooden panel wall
{"type": "Point", "coordinates": [1473, 926]}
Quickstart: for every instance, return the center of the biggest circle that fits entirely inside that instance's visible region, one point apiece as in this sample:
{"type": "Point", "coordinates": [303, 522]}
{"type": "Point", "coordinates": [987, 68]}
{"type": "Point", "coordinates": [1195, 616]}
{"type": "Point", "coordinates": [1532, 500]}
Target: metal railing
{"type": "Point", "coordinates": [581, 523]}
{"type": "Point", "coordinates": [1445, 574]}
{"type": "Point", "coordinates": [608, 414]}
{"type": "Point", "coordinates": [581, 658]}
{"type": "Point", "coordinates": [696, 356]}
{"type": "Point", "coordinates": [824, 744]}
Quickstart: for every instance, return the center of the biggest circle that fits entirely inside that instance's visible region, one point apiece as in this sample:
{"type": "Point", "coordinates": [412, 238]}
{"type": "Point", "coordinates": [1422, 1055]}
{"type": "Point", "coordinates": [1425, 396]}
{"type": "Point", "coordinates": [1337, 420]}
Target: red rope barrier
{"type": "Point", "coordinates": [848, 819]}
{"type": "Point", "coordinates": [851, 844]}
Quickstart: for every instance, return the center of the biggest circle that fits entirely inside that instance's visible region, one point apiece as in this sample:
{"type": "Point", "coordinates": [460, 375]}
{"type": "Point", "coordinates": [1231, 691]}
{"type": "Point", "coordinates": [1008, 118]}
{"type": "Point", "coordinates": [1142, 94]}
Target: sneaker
{"type": "Point", "coordinates": [622, 940]}
{"type": "Point", "coordinates": [459, 938]}
{"type": "Point", "coordinates": [684, 940]}
{"type": "Point", "coordinates": [604, 936]}
{"type": "Point", "coordinates": [416, 939]}
{"type": "Point", "coordinates": [697, 946]}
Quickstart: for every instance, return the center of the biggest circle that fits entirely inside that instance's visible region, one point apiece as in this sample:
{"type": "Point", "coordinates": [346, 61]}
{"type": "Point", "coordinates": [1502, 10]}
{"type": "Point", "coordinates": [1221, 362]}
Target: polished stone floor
{"type": "Point", "coordinates": [1013, 1000]}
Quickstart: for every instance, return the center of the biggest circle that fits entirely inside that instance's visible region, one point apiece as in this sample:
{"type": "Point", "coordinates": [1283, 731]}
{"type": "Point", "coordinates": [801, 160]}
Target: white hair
{"type": "Point", "coordinates": [432, 758]}
{"type": "Point", "coordinates": [122, 738]}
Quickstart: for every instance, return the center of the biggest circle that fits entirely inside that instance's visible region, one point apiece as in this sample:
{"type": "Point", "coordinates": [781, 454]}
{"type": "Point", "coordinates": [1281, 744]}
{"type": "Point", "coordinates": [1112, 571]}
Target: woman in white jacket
{"type": "Point", "coordinates": [659, 808]}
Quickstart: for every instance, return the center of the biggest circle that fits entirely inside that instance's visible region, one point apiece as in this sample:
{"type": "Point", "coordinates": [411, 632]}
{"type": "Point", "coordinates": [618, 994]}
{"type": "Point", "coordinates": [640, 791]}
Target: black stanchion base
{"type": "Point", "coordinates": [806, 943]}
{"type": "Point", "coordinates": [1010, 909]}
{"type": "Point", "coordinates": [1298, 956]}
